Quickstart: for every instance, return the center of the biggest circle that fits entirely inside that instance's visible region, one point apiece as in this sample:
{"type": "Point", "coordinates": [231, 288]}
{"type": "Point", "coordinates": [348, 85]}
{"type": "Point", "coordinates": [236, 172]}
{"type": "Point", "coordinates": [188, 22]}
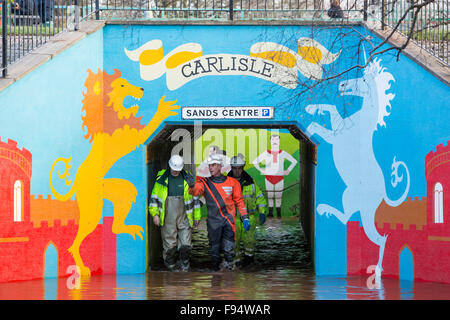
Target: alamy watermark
{"type": "Point", "coordinates": [73, 281]}
{"type": "Point", "coordinates": [374, 280]}
{"type": "Point", "coordinates": [249, 141]}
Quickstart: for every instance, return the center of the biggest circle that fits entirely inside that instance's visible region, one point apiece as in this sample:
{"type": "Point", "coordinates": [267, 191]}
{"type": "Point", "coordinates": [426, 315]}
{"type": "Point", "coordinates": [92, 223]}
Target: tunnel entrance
{"type": "Point", "coordinates": [295, 228]}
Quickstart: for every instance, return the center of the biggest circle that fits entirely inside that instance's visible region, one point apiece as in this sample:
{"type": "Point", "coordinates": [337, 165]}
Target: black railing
{"type": "Point", "coordinates": [4, 40]}
{"type": "Point", "coordinates": [32, 23]}
{"type": "Point", "coordinates": [426, 22]}
{"type": "Point", "coordinates": [28, 24]}
{"type": "Point", "coordinates": [223, 10]}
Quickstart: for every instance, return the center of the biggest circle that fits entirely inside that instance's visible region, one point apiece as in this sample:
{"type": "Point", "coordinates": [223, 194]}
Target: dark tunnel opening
{"type": "Point", "coordinates": [280, 243]}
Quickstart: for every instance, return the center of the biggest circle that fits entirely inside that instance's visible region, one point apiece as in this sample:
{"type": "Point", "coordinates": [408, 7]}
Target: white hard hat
{"type": "Point", "coordinates": [215, 158]}
{"type": "Point", "coordinates": [238, 161]}
{"type": "Point", "coordinates": [176, 162]}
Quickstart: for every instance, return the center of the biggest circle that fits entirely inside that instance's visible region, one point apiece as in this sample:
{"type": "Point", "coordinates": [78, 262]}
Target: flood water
{"type": "Point", "coordinates": [282, 271]}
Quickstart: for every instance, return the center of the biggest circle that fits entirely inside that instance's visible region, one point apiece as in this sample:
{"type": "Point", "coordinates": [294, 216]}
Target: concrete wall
{"type": "Point", "coordinates": [41, 113]}
{"type": "Point", "coordinates": [381, 125]}
{"type": "Point", "coordinates": [397, 116]}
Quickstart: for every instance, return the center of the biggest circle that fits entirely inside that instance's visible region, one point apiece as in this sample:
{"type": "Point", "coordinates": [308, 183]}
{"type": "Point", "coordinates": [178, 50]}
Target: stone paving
{"type": "Point", "coordinates": [418, 54]}
{"type": "Point", "coordinates": [43, 52]}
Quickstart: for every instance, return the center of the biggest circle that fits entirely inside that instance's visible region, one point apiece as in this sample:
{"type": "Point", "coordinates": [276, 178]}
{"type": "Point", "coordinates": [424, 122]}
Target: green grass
{"type": "Point", "coordinates": [431, 35]}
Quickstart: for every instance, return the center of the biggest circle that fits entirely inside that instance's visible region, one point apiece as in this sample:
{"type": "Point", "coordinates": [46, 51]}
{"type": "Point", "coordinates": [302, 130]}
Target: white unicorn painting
{"type": "Point", "coordinates": [353, 155]}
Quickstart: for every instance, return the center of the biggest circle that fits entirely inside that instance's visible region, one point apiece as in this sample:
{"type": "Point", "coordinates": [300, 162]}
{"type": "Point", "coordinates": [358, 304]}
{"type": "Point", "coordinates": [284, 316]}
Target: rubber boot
{"type": "Point", "coordinates": [184, 258]}
{"type": "Point", "coordinates": [215, 256]}
{"type": "Point", "coordinates": [247, 260]}
{"type": "Point", "coordinates": [185, 266]}
{"type": "Point", "coordinates": [170, 261]}
{"type": "Point", "coordinates": [226, 266]}
{"type": "Point", "coordinates": [270, 215]}
{"type": "Point", "coordinates": [215, 265]}
{"type": "Point", "coordinates": [237, 263]}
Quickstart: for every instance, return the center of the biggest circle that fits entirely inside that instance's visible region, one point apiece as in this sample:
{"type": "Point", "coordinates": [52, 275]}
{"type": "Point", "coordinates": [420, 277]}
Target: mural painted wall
{"type": "Point", "coordinates": [417, 229]}
{"type": "Point", "coordinates": [371, 129]}
{"type": "Point", "coordinates": [271, 158]}
{"type": "Point", "coordinates": [381, 135]}
{"type": "Point", "coordinates": [40, 120]}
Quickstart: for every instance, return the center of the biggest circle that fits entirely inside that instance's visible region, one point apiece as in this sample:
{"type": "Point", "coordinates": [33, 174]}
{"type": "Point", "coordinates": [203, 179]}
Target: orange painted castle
{"type": "Point", "coordinates": [30, 224]}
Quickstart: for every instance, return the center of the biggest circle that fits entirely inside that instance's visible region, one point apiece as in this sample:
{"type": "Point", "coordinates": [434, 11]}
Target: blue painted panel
{"type": "Point", "coordinates": [50, 273]}
{"type": "Point", "coordinates": [51, 262]}
{"type": "Point", "coordinates": [413, 124]}
{"type": "Point", "coordinates": [406, 265]}
{"type": "Point", "coordinates": [43, 113]}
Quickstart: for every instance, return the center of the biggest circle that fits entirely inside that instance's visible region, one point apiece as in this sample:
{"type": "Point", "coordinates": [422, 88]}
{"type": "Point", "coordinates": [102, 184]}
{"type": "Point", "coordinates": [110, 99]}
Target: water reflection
{"type": "Point", "coordinates": [282, 270]}
{"type": "Point", "coordinates": [285, 284]}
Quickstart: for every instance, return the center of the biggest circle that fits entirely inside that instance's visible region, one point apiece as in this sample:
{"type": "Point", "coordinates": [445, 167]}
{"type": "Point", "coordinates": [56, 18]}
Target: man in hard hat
{"type": "Point", "coordinates": [256, 205]}
{"type": "Point", "coordinates": [222, 194]}
{"type": "Point", "coordinates": [176, 211]}
{"type": "Point", "coordinates": [203, 169]}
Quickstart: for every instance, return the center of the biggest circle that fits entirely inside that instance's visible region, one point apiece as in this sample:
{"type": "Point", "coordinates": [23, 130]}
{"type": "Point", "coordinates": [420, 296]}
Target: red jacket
{"type": "Point", "coordinates": [222, 195]}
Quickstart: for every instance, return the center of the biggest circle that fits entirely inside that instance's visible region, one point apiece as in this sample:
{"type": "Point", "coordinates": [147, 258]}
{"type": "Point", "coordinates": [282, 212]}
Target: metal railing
{"type": "Point", "coordinates": [31, 24]}
{"type": "Point", "coordinates": [28, 24]}
{"type": "Point", "coordinates": [429, 28]}
{"type": "Point", "coordinates": [224, 10]}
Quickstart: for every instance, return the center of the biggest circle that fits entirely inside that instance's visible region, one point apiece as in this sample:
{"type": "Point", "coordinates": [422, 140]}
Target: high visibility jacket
{"type": "Point", "coordinates": [222, 194]}
{"type": "Point", "coordinates": [254, 199]}
{"type": "Point", "coordinates": [159, 197]}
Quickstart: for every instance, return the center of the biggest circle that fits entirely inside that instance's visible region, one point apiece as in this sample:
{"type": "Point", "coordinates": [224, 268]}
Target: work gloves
{"type": "Point", "coordinates": [262, 218]}
{"type": "Point", "coordinates": [246, 224]}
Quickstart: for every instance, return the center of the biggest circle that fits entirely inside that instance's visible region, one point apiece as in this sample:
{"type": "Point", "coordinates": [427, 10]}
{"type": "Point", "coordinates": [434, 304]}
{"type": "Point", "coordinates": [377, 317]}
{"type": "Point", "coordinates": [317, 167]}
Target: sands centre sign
{"type": "Point", "coordinates": [197, 113]}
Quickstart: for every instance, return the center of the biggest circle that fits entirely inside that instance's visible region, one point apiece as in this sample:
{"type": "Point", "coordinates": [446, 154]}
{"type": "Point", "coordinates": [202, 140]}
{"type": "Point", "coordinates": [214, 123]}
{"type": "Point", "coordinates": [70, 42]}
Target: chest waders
{"type": "Point", "coordinates": [176, 233]}
{"type": "Point", "coordinates": [245, 241]}
{"type": "Point", "coordinates": [220, 225]}
{"type": "Point", "coordinates": [256, 205]}
{"type": "Point", "coordinates": [222, 195]}
{"type": "Point", "coordinates": [182, 209]}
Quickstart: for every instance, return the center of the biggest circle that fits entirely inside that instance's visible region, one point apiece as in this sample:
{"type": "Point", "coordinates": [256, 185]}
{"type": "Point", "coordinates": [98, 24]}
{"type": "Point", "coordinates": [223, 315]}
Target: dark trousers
{"type": "Point", "coordinates": [221, 238]}
{"type": "Point", "coordinates": [45, 9]}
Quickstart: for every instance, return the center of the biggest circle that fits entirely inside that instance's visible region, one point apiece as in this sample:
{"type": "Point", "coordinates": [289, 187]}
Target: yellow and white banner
{"type": "Point", "coordinates": [267, 60]}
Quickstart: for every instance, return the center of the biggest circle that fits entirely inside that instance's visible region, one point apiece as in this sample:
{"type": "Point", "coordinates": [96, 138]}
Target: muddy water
{"type": "Point", "coordinates": [280, 245]}
{"type": "Point", "coordinates": [282, 270]}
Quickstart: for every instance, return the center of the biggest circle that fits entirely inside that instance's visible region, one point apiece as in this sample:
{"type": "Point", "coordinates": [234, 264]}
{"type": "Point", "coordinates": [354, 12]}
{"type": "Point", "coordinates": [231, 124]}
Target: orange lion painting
{"type": "Point", "coordinates": [114, 131]}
